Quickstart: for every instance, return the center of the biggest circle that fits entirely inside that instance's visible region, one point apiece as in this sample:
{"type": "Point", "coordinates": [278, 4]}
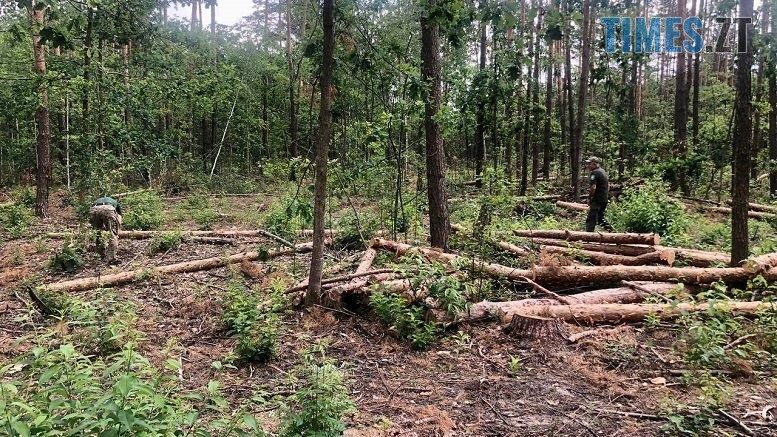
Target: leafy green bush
{"type": "Point", "coordinates": [257, 331]}
{"type": "Point", "coordinates": [69, 259]}
{"type": "Point", "coordinates": [164, 242]}
{"type": "Point", "coordinates": [24, 195]}
{"type": "Point", "coordinates": [15, 219]}
{"type": "Point", "coordinates": [407, 320]}
{"type": "Point", "coordinates": [62, 392]}
{"type": "Point", "coordinates": [322, 401]}
{"type": "Point", "coordinates": [353, 230]}
{"type": "Point", "coordinates": [289, 215]}
{"type": "Point", "coordinates": [650, 209]}
{"type": "Point", "coordinates": [142, 211]}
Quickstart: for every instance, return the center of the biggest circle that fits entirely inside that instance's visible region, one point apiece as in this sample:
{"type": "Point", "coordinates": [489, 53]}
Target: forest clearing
{"type": "Point", "coordinates": [372, 218]}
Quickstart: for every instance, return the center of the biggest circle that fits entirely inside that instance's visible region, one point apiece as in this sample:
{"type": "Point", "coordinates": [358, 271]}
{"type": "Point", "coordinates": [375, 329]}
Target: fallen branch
{"type": "Point", "coordinates": [752, 214]}
{"type": "Point", "coordinates": [616, 249]}
{"type": "Point", "coordinates": [344, 278]}
{"type": "Point", "coordinates": [189, 235]}
{"type": "Point", "coordinates": [571, 206]}
{"type": "Point", "coordinates": [597, 237]}
{"type": "Point", "coordinates": [759, 207]}
{"type": "Point", "coordinates": [512, 248]}
{"type": "Point", "coordinates": [122, 278]}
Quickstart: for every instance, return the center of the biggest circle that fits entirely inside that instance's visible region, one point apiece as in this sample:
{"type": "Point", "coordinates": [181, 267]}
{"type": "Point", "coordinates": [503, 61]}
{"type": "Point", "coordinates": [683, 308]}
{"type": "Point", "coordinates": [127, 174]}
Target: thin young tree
{"type": "Point", "coordinates": [772, 79]}
{"type": "Point", "coordinates": [741, 145]}
{"type": "Point", "coordinates": [322, 154]}
{"type": "Point", "coordinates": [43, 172]}
{"type": "Point", "coordinates": [439, 223]}
{"type": "Point", "coordinates": [480, 122]}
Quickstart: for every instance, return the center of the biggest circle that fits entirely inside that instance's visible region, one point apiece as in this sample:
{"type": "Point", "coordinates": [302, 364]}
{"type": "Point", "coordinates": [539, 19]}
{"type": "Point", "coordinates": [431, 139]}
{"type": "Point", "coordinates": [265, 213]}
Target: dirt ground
{"type": "Point", "coordinates": [613, 383]}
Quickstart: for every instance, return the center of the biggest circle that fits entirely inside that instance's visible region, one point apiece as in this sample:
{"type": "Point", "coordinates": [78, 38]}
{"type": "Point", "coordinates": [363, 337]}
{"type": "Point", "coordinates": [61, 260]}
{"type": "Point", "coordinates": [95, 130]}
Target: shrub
{"type": "Point", "coordinates": [143, 211]}
{"type": "Point", "coordinates": [407, 320]}
{"type": "Point", "coordinates": [650, 209]}
{"type": "Point", "coordinates": [164, 242]}
{"type": "Point", "coordinates": [15, 219]}
{"type": "Point", "coordinates": [289, 215]}
{"type": "Point", "coordinates": [68, 259]}
{"type": "Point", "coordinates": [257, 331]}
{"type": "Point", "coordinates": [353, 230]}
{"type": "Point", "coordinates": [120, 395]}
{"type": "Point", "coordinates": [322, 401]}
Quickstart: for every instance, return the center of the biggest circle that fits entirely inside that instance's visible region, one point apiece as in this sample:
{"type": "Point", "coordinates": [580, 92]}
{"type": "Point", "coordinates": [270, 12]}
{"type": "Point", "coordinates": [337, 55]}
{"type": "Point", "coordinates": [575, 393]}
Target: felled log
{"type": "Point", "coordinates": [760, 263]}
{"type": "Point", "coordinates": [344, 278]}
{"type": "Point", "coordinates": [622, 313]}
{"type": "Point", "coordinates": [115, 279]}
{"type": "Point", "coordinates": [607, 259]}
{"type": "Point", "coordinates": [512, 248]}
{"type": "Point", "coordinates": [752, 214]}
{"type": "Point", "coordinates": [141, 235]}
{"type": "Point", "coordinates": [584, 275]}
{"type": "Point", "coordinates": [336, 292]}
{"type": "Point", "coordinates": [577, 207]}
{"type": "Point", "coordinates": [596, 237]}
{"type": "Point", "coordinates": [699, 258]}
{"type": "Point", "coordinates": [616, 249]}
{"type": "Point", "coordinates": [759, 207]}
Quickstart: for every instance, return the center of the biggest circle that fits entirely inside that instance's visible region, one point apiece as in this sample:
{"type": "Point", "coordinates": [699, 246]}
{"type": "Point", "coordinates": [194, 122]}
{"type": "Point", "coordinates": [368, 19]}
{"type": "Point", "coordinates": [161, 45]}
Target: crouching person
{"type": "Point", "coordinates": [105, 215]}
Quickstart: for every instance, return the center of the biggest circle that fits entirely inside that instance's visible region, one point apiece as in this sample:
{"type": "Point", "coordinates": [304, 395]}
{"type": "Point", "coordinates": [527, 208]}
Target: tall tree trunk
{"type": "Point", "coordinates": [757, 133]}
{"type": "Point", "coordinates": [740, 191]}
{"type": "Point", "coordinates": [480, 123]}
{"type": "Point", "coordinates": [88, 42]}
{"type": "Point", "coordinates": [681, 115]}
{"type": "Point", "coordinates": [577, 140]}
{"type": "Point", "coordinates": [293, 122]}
{"type": "Point", "coordinates": [322, 154]}
{"type": "Point", "coordinates": [569, 101]}
{"type": "Point", "coordinates": [547, 145]}
{"type": "Point", "coordinates": [195, 9]}
{"type": "Point", "coordinates": [535, 97]}
{"type": "Point", "coordinates": [435, 164]}
{"type": "Point", "coordinates": [772, 75]}
{"type": "Point", "coordinates": [43, 172]}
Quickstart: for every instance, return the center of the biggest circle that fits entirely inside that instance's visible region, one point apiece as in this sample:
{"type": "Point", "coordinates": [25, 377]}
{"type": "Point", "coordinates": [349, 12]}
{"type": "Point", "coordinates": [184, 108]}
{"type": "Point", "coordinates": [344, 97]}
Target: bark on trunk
{"type": "Point", "coordinates": [612, 238]}
{"type": "Point", "coordinates": [480, 122]}
{"type": "Point", "coordinates": [681, 114]}
{"type": "Point", "coordinates": [322, 155]}
{"type": "Point", "coordinates": [439, 221]}
{"type": "Point", "coordinates": [740, 191]}
{"type": "Point", "coordinates": [42, 148]}
{"type": "Point", "coordinates": [577, 140]}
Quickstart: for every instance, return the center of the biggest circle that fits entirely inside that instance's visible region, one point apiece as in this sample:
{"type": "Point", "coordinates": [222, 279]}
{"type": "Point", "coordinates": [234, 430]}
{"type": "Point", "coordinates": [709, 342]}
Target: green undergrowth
{"type": "Point", "coordinates": [142, 211]}
{"type": "Point", "coordinates": [15, 219]}
{"type": "Point", "coordinates": [164, 242]}
{"type": "Point", "coordinates": [253, 317]}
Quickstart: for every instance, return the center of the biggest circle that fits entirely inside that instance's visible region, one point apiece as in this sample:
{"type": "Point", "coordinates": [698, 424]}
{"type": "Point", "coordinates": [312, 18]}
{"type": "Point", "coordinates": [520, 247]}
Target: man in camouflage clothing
{"type": "Point", "coordinates": [105, 215]}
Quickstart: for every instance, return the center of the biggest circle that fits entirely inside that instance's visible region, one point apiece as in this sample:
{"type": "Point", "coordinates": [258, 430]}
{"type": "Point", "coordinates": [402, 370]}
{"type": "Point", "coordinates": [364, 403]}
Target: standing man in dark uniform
{"type": "Point", "coordinates": [597, 195]}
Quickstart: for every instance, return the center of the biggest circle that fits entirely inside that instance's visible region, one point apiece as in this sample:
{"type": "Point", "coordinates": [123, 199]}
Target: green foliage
{"type": "Point", "coordinates": [15, 219]}
{"type": "Point", "coordinates": [650, 209]}
{"type": "Point", "coordinates": [354, 230]}
{"type": "Point", "coordinates": [198, 207]}
{"type": "Point", "coordinates": [62, 392]}
{"type": "Point", "coordinates": [142, 211]}
{"type": "Point", "coordinates": [407, 320]}
{"type": "Point", "coordinates": [321, 402]}
{"type": "Point", "coordinates": [255, 324]}
{"type": "Point", "coordinates": [69, 259]}
{"type": "Point", "coordinates": [164, 242]}
{"type": "Point", "coordinates": [289, 215]}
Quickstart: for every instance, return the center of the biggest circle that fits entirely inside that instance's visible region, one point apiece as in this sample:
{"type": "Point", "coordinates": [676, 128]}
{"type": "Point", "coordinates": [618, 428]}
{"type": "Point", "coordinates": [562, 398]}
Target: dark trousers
{"type": "Point", "coordinates": [596, 217]}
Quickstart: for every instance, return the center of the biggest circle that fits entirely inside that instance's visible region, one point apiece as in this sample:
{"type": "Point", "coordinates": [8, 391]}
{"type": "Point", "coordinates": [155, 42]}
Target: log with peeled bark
{"type": "Point", "coordinates": [751, 214]}
{"type": "Point", "coordinates": [572, 206]}
{"type": "Point", "coordinates": [115, 279]}
{"type": "Point", "coordinates": [758, 207]}
{"type": "Point", "coordinates": [666, 256]}
{"type": "Point", "coordinates": [595, 237]}
{"type": "Point", "coordinates": [584, 275]}
{"type": "Point", "coordinates": [621, 313]}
